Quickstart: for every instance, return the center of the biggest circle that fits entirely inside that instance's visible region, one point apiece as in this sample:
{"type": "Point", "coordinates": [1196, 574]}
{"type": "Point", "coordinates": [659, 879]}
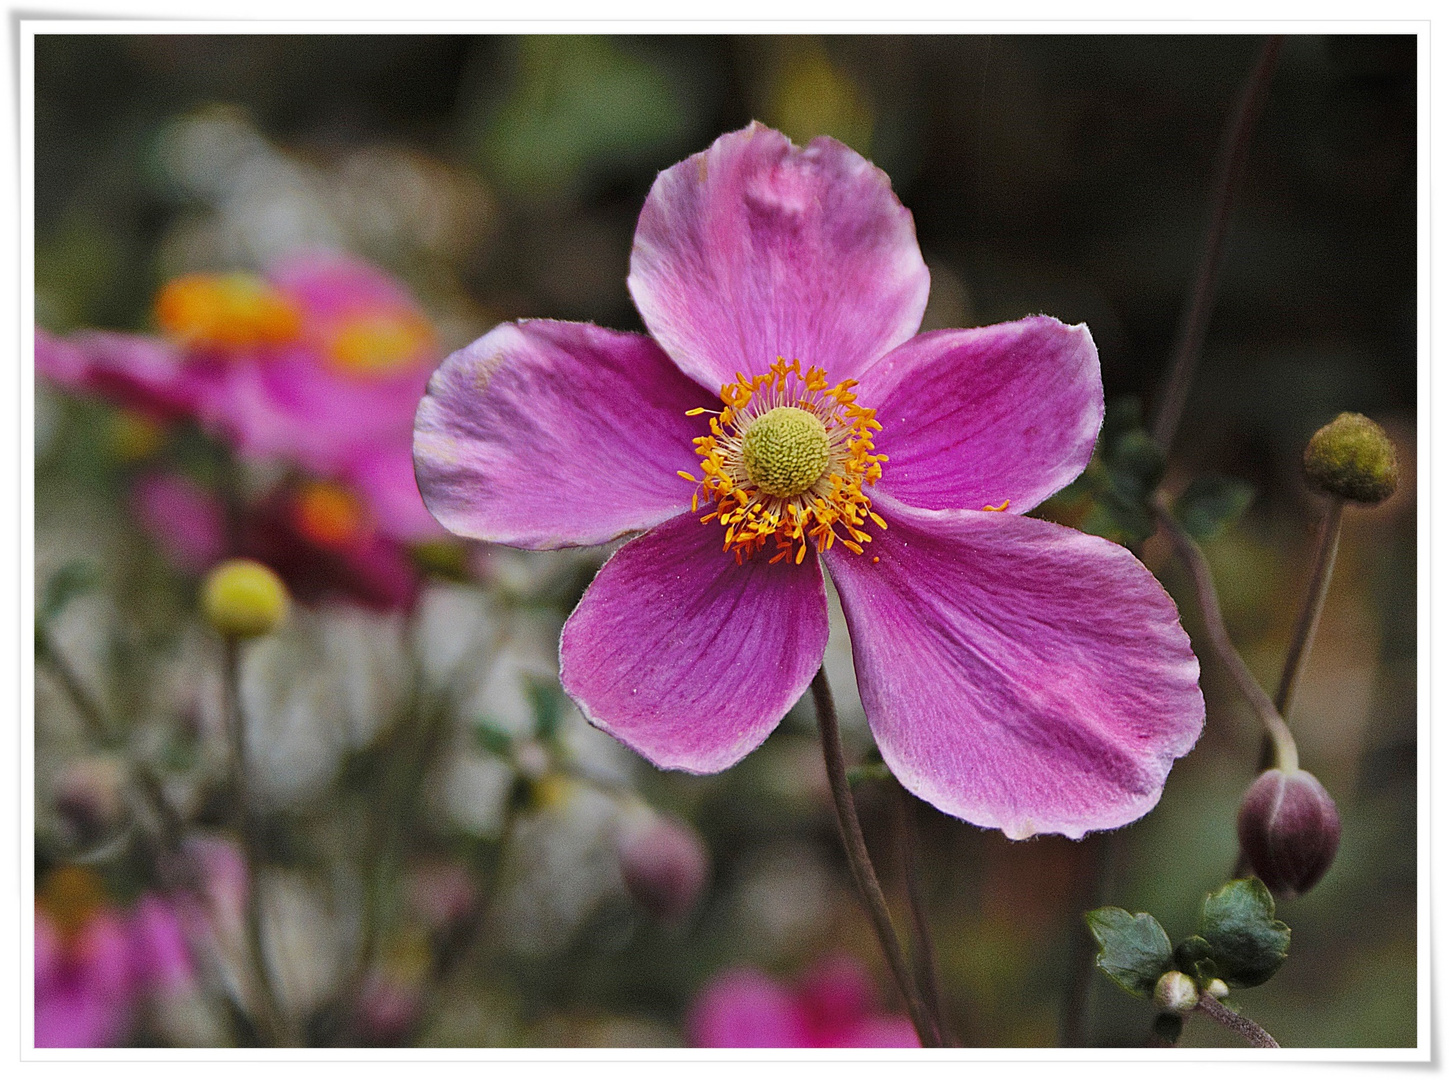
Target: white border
{"type": "Point", "coordinates": [563, 17]}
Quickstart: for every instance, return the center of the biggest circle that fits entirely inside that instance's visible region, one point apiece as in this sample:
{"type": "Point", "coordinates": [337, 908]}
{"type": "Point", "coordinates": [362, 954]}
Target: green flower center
{"type": "Point", "coordinates": [785, 451]}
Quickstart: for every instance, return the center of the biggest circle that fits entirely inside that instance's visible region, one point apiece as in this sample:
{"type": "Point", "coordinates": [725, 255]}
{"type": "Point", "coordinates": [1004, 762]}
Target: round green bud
{"type": "Point", "coordinates": [243, 599]}
{"type": "Point", "coordinates": [1175, 992]}
{"type": "Point", "coordinates": [1353, 458]}
{"type": "Point", "coordinates": [786, 451]}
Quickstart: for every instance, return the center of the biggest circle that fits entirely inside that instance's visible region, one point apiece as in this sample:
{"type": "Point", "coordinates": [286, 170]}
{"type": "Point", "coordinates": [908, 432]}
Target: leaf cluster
{"type": "Point", "coordinates": [1238, 940]}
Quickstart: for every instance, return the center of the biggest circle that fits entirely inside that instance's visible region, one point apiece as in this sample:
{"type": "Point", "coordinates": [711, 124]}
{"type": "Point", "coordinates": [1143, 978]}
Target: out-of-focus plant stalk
{"type": "Point", "coordinates": [1103, 851]}
{"type": "Point", "coordinates": [1215, 1010]}
{"type": "Point", "coordinates": [94, 717]}
{"type": "Point", "coordinates": [923, 948]}
{"type": "Point", "coordinates": [1285, 750]}
{"type": "Point", "coordinates": [271, 1020]}
{"type": "Point", "coordinates": [1312, 611]}
{"type": "Point", "coordinates": [1231, 166]}
{"type": "Point", "coordinates": [866, 881]}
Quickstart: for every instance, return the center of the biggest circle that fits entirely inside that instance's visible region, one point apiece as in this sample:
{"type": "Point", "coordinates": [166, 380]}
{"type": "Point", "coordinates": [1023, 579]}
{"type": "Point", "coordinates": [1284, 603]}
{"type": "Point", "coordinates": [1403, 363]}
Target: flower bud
{"type": "Point", "coordinates": [1353, 458]}
{"type": "Point", "coordinates": [1288, 828]}
{"type": "Point", "coordinates": [242, 599]}
{"type": "Point", "coordinates": [1217, 989]}
{"type": "Point", "coordinates": [665, 865]}
{"type": "Point", "coordinates": [1175, 992]}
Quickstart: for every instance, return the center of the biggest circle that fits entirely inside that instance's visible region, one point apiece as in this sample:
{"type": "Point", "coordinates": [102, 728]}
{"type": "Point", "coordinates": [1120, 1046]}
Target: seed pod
{"type": "Point", "coordinates": [665, 865]}
{"type": "Point", "coordinates": [1353, 458]}
{"type": "Point", "coordinates": [243, 599]}
{"type": "Point", "coordinates": [1289, 829]}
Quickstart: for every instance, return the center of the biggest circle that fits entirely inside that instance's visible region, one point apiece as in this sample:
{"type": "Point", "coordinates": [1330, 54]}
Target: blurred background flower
{"type": "Point", "coordinates": [442, 838]}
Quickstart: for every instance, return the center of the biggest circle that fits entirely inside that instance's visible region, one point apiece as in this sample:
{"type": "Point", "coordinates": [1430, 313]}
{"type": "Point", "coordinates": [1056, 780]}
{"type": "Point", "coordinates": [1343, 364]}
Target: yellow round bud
{"type": "Point", "coordinates": [1353, 458]}
{"type": "Point", "coordinates": [243, 599]}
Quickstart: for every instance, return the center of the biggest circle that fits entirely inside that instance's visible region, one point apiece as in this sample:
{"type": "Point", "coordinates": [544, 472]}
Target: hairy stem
{"type": "Point", "coordinates": [270, 1019]}
{"type": "Point", "coordinates": [1312, 611]}
{"type": "Point", "coordinates": [1255, 1035]}
{"type": "Point", "coordinates": [1231, 165]}
{"type": "Point", "coordinates": [859, 858]}
{"type": "Point", "coordinates": [923, 948]}
{"type": "Point", "coordinates": [1285, 750]}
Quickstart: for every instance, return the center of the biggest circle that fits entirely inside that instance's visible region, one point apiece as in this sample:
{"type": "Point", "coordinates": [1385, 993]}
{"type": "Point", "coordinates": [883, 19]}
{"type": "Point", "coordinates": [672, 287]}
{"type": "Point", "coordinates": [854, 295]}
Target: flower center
{"type": "Point", "coordinates": [226, 311]}
{"type": "Point", "coordinates": [377, 344]}
{"type": "Point", "coordinates": [785, 451]}
{"type": "Point", "coordinates": [785, 459]}
{"type": "Point", "coordinates": [329, 515]}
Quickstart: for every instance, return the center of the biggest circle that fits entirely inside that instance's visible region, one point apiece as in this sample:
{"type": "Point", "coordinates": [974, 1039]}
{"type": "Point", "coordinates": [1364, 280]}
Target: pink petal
{"type": "Point", "coordinates": [550, 434]}
{"type": "Point", "coordinates": [687, 657]}
{"type": "Point", "coordinates": [972, 418]}
{"type": "Point", "coordinates": [293, 406]}
{"type": "Point", "coordinates": [129, 370]}
{"type": "Point", "coordinates": [876, 1031]}
{"type": "Point", "coordinates": [330, 284]}
{"type": "Point", "coordinates": [161, 959]}
{"type": "Point", "coordinates": [185, 520]}
{"type": "Point", "coordinates": [756, 249]}
{"type": "Point", "coordinates": [1016, 673]}
{"type": "Point", "coordinates": [746, 1008]}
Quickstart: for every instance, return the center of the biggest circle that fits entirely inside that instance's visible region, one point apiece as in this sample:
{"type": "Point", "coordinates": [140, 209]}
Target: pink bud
{"type": "Point", "coordinates": [665, 865]}
{"type": "Point", "coordinates": [1288, 828]}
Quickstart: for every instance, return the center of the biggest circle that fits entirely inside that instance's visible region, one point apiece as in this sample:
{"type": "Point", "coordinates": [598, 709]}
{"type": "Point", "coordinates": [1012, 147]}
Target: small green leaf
{"type": "Point", "coordinates": [1248, 945]}
{"type": "Point", "coordinates": [1134, 949]}
{"type": "Point", "coordinates": [491, 738]}
{"type": "Point", "coordinates": [546, 700]}
{"type": "Point", "coordinates": [1193, 955]}
{"type": "Point", "coordinates": [1136, 463]}
{"type": "Point", "coordinates": [1210, 504]}
{"type": "Point", "coordinates": [70, 581]}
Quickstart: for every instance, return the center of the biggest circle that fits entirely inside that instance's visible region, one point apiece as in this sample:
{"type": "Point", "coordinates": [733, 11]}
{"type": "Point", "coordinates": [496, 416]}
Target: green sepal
{"type": "Point", "coordinates": [1134, 950]}
{"type": "Point", "coordinates": [1210, 504]}
{"type": "Point", "coordinates": [1247, 943]}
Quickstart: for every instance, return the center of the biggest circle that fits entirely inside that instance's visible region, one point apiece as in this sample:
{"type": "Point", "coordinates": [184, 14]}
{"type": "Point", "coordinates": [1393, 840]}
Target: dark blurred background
{"type": "Point", "coordinates": [502, 177]}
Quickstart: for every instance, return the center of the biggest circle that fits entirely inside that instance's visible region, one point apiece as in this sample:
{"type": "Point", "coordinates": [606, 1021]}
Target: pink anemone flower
{"type": "Point", "coordinates": [784, 413]}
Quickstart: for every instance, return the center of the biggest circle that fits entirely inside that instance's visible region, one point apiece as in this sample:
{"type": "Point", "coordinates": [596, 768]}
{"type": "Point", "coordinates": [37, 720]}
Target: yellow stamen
{"type": "Point", "coordinates": [786, 460]}
{"type": "Point", "coordinates": [997, 509]}
{"type": "Point", "coordinates": [226, 311]}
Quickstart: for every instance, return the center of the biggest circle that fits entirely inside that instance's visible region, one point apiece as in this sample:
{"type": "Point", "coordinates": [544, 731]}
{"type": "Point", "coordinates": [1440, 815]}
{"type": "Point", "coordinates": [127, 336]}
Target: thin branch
{"type": "Point", "coordinates": [96, 721]}
{"type": "Point", "coordinates": [1222, 645]}
{"type": "Point", "coordinates": [1255, 1035]}
{"type": "Point", "coordinates": [1307, 625]}
{"type": "Point", "coordinates": [859, 858]}
{"type": "Point", "coordinates": [923, 949]}
{"type": "Point", "coordinates": [272, 1023]}
{"type": "Point", "coordinates": [1231, 165]}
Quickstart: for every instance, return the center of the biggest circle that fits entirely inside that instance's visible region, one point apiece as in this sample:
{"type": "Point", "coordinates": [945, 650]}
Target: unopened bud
{"type": "Point", "coordinates": [1353, 458]}
{"type": "Point", "coordinates": [1288, 828]}
{"type": "Point", "coordinates": [1175, 992]}
{"type": "Point", "coordinates": [1217, 989]}
{"type": "Point", "coordinates": [665, 865]}
{"type": "Point", "coordinates": [242, 599]}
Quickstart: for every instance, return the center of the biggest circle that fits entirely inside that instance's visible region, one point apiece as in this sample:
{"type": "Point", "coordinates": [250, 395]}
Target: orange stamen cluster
{"type": "Point", "coordinates": [329, 515]}
{"type": "Point", "coordinates": [226, 311]}
{"type": "Point", "coordinates": [379, 343]}
{"type": "Point", "coordinates": [832, 507]}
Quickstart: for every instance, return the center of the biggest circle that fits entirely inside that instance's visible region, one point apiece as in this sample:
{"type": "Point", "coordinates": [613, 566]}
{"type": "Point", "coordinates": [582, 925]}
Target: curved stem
{"type": "Point", "coordinates": [1231, 165]}
{"type": "Point", "coordinates": [1255, 1035]}
{"type": "Point", "coordinates": [271, 1022]}
{"type": "Point", "coordinates": [1312, 611]}
{"type": "Point", "coordinates": [97, 723]}
{"type": "Point", "coordinates": [859, 858]}
{"type": "Point", "coordinates": [923, 949]}
{"type": "Point", "coordinates": [1285, 750]}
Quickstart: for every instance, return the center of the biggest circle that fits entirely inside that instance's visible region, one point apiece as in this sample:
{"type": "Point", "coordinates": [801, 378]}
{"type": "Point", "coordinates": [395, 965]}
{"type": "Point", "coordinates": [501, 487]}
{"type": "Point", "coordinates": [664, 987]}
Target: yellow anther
{"type": "Point", "coordinates": [997, 509]}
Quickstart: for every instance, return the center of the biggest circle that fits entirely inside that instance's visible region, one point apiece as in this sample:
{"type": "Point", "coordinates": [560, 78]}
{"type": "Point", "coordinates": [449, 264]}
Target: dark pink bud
{"type": "Point", "coordinates": [1288, 828]}
{"type": "Point", "coordinates": [665, 865]}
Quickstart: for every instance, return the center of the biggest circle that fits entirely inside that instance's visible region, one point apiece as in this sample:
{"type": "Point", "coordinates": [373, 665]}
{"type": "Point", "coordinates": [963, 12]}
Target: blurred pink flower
{"type": "Point", "coordinates": [186, 521]}
{"type": "Point", "coordinates": [833, 1005]}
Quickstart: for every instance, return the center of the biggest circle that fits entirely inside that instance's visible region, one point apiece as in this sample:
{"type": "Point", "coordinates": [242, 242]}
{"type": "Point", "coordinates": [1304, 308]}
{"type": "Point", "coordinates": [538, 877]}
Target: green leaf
{"type": "Point", "coordinates": [546, 700]}
{"type": "Point", "coordinates": [1136, 463]}
{"type": "Point", "coordinates": [1194, 956]}
{"type": "Point", "coordinates": [491, 738]}
{"type": "Point", "coordinates": [70, 581]}
{"type": "Point", "coordinates": [1134, 949]}
{"type": "Point", "coordinates": [1248, 945]}
{"type": "Point", "coordinates": [1210, 504]}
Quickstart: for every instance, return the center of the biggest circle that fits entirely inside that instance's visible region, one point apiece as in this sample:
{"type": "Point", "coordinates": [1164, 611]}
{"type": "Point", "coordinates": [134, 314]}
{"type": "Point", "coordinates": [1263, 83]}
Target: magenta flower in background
{"type": "Point", "coordinates": [834, 1005]}
{"type": "Point", "coordinates": [1015, 673]}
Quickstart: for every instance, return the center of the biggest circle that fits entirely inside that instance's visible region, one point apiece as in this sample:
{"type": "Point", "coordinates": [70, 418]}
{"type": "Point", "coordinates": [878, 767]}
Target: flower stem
{"type": "Point", "coordinates": [859, 858]}
{"type": "Point", "coordinates": [1308, 617]}
{"type": "Point", "coordinates": [1193, 327]}
{"type": "Point", "coordinates": [923, 949]}
{"type": "Point", "coordinates": [1253, 1033]}
{"type": "Point", "coordinates": [91, 713]}
{"type": "Point", "coordinates": [271, 1022]}
{"type": "Point", "coordinates": [1102, 854]}
{"type": "Point", "coordinates": [1284, 748]}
